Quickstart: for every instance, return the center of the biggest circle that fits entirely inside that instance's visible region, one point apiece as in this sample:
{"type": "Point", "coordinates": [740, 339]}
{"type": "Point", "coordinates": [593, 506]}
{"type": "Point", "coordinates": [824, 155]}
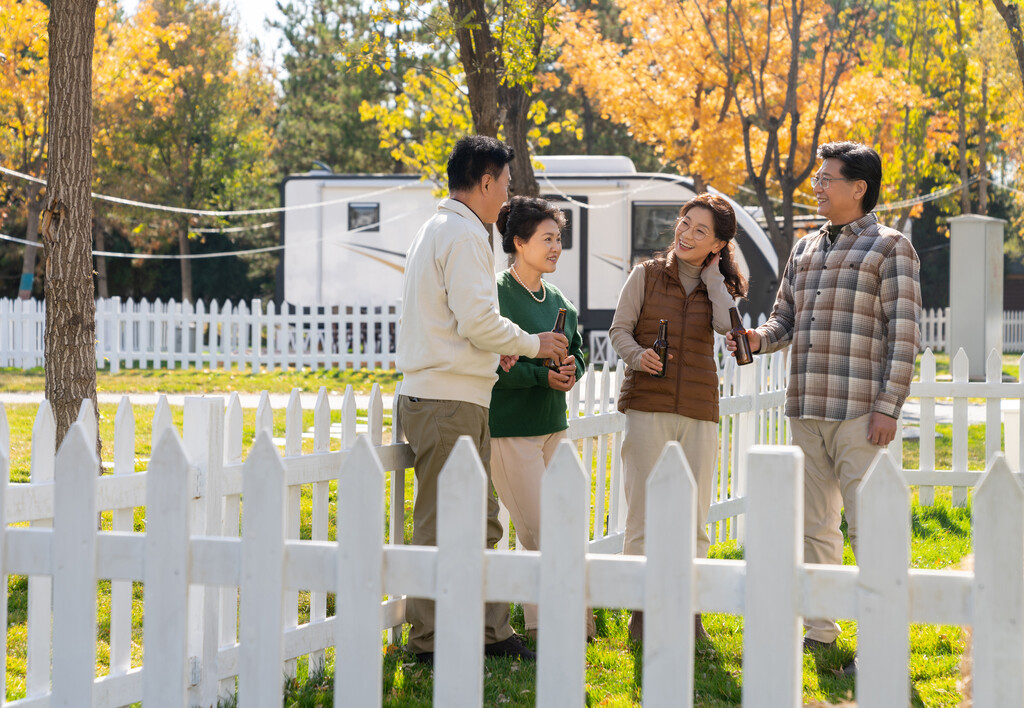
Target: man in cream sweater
{"type": "Point", "coordinates": [449, 345]}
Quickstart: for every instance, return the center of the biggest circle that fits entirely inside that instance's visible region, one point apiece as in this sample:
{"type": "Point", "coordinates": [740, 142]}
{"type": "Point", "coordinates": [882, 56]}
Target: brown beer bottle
{"type": "Point", "coordinates": [660, 347]}
{"type": "Point", "coordinates": [560, 328]}
{"type": "Point", "coordinates": [739, 335]}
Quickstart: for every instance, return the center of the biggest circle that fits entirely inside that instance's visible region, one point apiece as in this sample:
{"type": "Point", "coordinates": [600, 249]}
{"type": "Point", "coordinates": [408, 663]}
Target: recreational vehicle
{"type": "Point", "coordinates": [345, 236]}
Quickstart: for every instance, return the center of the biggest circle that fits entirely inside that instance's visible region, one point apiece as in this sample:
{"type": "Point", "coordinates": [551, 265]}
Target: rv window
{"type": "Point", "coordinates": [653, 226]}
{"type": "Point", "coordinates": [567, 231]}
{"type": "Point", "coordinates": [364, 216]}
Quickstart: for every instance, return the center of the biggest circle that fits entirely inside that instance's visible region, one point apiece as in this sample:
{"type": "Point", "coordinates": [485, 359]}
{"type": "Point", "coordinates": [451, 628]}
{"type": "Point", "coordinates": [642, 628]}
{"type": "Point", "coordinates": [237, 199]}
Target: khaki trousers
{"type": "Point", "coordinates": [432, 428]}
{"type": "Point", "coordinates": [837, 455]}
{"type": "Point", "coordinates": [646, 436]}
{"type": "Point", "coordinates": [517, 465]}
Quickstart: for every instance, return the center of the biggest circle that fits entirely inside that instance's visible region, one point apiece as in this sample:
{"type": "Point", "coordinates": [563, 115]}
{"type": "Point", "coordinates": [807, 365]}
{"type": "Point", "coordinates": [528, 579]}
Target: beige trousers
{"type": "Point", "coordinates": [646, 436]}
{"type": "Point", "coordinates": [837, 455]}
{"type": "Point", "coordinates": [432, 428]}
{"type": "Point", "coordinates": [517, 465]}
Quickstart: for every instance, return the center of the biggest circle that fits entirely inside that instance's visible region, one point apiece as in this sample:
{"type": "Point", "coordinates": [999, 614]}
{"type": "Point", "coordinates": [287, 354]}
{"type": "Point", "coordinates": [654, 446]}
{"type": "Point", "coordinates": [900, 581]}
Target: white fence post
{"type": "Point", "coordinates": [229, 527]}
{"type": "Point", "coordinates": [617, 504]}
{"type": "Point", "coordinates": [255, 334]}
{"type": "Point", "coordinates": [357, 674]}
{"type": "Point", "coordinates": [993, 408]}
{"type": "Point", "coordinates": [293, 495]}
{"type": "Point", "coordinates": [998, 599]}
{"type": "Point", "coordinates": [565, 534]}
{"type": "Point", "coordinates": [114, 353]}
{"type": "Point", "coordinates": [459, 613]}
{"type": "Point", "coordinates": [74, 564]}
{"type": "Point", "coordinates": [772, 674]}
{"type": "Point", "coordinates": [87, 417]}
{"type": "Point", "coordinates": [321, 512]}
{"type": "Point", "coordinates": [165, 636]}
{"type": "Point", "coordinates": [960, 367]}
{"type": "Point", "coordinates": [883, 586]}
{"type": "Point", "coordinates": [669, 584]}
{"type": "Point", "coordinates": [926, 493]}
{"type": "Point", "coordinates": [40, 587]}
{"type": "Point", "coordinates": [749, 380]}
{"type": "Point", "coordinates": [263, 532]}
{"type": "Point", "coordinates": [203, 428]}
{"type": "Point", "coordinates": [123, 520]}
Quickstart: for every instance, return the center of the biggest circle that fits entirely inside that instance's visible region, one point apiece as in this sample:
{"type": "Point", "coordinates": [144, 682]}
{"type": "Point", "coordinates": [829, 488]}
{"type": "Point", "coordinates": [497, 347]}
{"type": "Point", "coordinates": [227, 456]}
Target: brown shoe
{"type": "Point", "coordinates": [699, 633]}
{"type": "Point", "coordinates": [636, 626]}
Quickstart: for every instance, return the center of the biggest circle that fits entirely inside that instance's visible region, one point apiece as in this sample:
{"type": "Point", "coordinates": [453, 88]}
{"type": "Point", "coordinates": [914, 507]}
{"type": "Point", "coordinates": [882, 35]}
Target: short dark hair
{"type": "Point", "coordinates": [520, 216]}
{"type": "Point", "coordinates": [473, 157]}
{"type": "Point", "coordinates": [858, 162]}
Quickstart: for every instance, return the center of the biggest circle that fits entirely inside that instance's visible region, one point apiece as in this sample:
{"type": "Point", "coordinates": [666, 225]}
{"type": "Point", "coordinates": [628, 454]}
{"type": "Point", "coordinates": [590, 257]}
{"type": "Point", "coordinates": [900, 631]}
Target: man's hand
{"type": "Point", "coordinates": [508, 361]}
{"type": "Point", "coordinates": [753, 339]}
{"type": "Point", "coordinates": [561, 382]}
{"type": "Point", "coordinates": [553, 346]}
{"type": "Point", "coordinates": [881, 429]}
{"type": "Point", "coordinates": [568, 366]}
{"type": "Point", "coordinates": [650, 362]}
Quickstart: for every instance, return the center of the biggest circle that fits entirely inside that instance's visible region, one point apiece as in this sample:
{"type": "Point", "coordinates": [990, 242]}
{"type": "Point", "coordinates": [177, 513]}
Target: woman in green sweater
{"type": "Point", "coordinates": [527, 417]}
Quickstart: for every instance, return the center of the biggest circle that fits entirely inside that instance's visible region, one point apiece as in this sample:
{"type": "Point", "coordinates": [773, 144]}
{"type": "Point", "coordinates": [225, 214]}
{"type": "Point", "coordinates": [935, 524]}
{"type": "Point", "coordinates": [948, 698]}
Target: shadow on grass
{"type": "Point", "coordinates": [714, 681]}
{"type": "Point", "coordinates": [833, 684]}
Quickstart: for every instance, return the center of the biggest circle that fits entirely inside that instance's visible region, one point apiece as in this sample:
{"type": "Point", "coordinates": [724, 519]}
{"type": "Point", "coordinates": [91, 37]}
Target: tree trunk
{"type": "Point", "coordinates": [479, 58]}
{"type": "Point", "coordinates": [70, 337]}
{"type": "Point", "coordinates": [186, 264]}
{"type": "Point", "coordinates": [100, 227]}
{"type": "Point", "coordinates": [515, 103]}
{"type": "Point", "coordinates": [961, 112]}
{"type": "Point", "coordinates": [1010, 12]}
{"type": "Point", "coordinates": [588, 125]}
{"type": "Point", "coordinates": [28, 260]}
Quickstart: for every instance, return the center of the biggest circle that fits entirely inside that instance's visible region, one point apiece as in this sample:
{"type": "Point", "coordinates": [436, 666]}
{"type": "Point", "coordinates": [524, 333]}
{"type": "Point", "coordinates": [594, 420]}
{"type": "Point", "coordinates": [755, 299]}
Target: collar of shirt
{"type": "Point", "coordinates": [858, 227]}
{"type": "Point", "coordinates": [464, 211]}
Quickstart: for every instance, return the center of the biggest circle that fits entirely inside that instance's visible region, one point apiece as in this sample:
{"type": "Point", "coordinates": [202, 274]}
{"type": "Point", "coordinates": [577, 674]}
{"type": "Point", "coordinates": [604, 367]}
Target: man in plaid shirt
{"type": "Point", "coordinates": [848, 305]}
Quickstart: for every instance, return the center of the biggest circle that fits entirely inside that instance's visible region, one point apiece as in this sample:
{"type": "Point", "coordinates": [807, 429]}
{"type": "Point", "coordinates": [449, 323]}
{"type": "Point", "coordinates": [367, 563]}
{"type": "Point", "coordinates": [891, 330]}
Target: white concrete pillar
{"type": "Point", "coordinates": [976, 288]}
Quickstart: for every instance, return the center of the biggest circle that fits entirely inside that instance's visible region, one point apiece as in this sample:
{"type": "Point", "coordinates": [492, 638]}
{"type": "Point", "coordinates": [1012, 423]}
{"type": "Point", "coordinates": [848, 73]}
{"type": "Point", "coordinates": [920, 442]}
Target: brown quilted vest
{"type": "Point", "coordinates": [690, 385]}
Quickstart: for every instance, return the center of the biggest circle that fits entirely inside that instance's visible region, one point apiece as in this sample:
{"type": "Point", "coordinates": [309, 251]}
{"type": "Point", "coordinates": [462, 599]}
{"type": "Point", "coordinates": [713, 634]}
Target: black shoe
{"type": "Point", "coordinates": [512, 647]}
{"type": "Point", "coordinates": [814, 644]}
{"type": "Point", "coordinates": [425, 657]}
{"type": "Point", "coordinates": [699, 633]}
{"type": "Point", "coordinates": [636, 627]}
{"type": "Point", "coordinates": [850, 669]}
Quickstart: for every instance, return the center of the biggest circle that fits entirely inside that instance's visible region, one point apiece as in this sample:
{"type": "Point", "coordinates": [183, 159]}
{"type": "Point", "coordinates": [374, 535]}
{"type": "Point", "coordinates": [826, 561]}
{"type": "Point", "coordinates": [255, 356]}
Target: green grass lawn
{"type": "Point", "coordinates": [940, 538]}
{"type": "Point", "coordinates": [214, 381]}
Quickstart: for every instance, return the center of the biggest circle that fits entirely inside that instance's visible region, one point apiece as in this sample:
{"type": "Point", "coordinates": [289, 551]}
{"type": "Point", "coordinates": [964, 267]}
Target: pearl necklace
{"type": "Point", "coordinates": [519, 280]}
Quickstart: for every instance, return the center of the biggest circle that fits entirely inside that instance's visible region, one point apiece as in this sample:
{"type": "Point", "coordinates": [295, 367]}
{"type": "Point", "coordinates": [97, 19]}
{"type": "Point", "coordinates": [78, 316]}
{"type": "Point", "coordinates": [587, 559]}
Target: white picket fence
{"type": "Point", "coordinates": [144, 335]}
{"type": "Point", "coordinates": [251, 336]}
{"type": "Point", "coordinates": [193, 516]}
{"type": "Point", "coordinates": [772, 587]}
{"type": "Point", "coordinates": [935, 330]}
{"type": "Point", "coordinates": [183, 335]}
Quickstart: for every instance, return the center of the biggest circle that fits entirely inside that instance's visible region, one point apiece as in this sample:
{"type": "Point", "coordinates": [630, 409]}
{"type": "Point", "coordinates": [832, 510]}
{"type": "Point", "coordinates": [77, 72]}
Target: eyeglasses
{"type": "Point", "coordinates": [684, 224]}
{"type": "Point", "coordinates": [826, 181]}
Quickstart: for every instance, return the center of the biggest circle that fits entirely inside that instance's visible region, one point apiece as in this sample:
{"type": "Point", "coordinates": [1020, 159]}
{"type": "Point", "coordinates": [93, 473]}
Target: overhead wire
{"type": "Point", "coordinates": [222, 254]}
{"type": "Point", "coordinates": [215, 212]}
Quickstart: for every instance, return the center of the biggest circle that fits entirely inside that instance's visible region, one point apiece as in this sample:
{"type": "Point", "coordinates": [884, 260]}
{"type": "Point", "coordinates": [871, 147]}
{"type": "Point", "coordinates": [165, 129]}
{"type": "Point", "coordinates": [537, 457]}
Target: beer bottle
{"type": "Point", "coordinates": [560, 328]}
{"type": "Point", "coordinates": [739, 335]}
{"type": "Point", "coordinates": [661, 347]}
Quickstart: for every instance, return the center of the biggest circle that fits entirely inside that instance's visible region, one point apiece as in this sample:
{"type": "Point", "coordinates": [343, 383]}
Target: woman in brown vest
{"type": "Point", "coordinates": [691, 284]}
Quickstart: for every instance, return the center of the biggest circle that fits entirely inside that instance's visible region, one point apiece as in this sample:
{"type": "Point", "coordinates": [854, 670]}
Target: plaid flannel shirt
{"type": "Point", "coordinates": [851, 311]}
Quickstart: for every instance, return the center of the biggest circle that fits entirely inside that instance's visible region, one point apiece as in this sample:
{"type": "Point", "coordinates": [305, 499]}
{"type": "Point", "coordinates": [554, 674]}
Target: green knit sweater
{"type": "Point", "coordinates": [522, 403]}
